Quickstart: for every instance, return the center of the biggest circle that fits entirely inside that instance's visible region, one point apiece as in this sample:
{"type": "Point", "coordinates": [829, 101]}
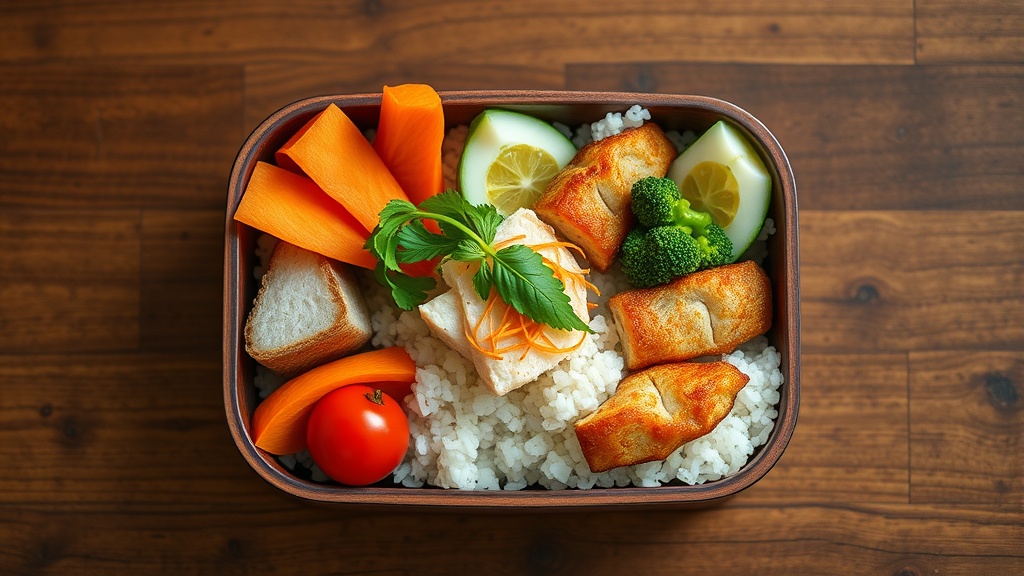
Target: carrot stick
{"type": "Point", "coordinates": [282, 158]}
{"type": "Point", "coordinates": [409, 137]}
{"type": "Point", "coordinates": [397, 390]}
{"type": "Point", "coordinates": [334, 153]}
{"type": "Point", "coordinates": [279, 423]}
{"type": "Point", "coordinates": [294, 209]}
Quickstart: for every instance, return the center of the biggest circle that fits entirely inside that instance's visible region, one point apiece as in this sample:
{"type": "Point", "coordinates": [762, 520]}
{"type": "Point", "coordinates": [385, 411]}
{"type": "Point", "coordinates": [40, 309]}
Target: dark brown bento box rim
{"type": "Point", "coordinates": [461, 106]}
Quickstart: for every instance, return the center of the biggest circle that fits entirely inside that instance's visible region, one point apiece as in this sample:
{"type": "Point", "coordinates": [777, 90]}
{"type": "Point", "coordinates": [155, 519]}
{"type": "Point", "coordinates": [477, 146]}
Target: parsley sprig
{"type": "Point", "coordinates": [516, 272]}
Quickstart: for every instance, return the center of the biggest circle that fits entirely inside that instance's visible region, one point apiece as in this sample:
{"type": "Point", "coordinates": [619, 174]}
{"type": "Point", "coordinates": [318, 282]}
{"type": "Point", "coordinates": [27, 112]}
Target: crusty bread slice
{"type": "Point", "coordinates": [657, 410]}
{"type": "Point", "coordinates": [588, 202]}
{"type": "Point", "coordinates": [707, 312]}
{"type": "Point", "coordinates": [455, 311]}
{"type": "Point", "coordinates": [309, 311]}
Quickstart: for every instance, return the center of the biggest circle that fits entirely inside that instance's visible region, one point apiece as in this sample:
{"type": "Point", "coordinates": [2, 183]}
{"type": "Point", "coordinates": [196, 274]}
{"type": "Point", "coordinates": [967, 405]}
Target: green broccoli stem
{"type": "Point", "coordinates": [687, 217]}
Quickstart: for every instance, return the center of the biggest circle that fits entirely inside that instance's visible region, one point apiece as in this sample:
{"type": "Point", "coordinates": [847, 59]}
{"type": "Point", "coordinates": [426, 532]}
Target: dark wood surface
{"type": "Point", "coordinates": [904, 123]}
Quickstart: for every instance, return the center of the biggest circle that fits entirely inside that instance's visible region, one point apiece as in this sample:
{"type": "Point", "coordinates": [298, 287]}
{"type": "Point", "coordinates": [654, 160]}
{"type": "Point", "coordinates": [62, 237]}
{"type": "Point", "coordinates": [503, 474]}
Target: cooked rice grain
{"type": "Point", "coordinates": [463, 436]}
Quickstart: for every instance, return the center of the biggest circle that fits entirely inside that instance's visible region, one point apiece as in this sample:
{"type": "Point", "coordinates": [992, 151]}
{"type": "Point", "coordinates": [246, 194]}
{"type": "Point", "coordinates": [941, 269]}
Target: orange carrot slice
{"type": "Point", "coordinates": [279, 423]}
{"type": "Point", "coordinates": [334, 153]}
{"type": "Point", "coordinates": [294, 209]}
{"type": "Point", "coordinates": [409, 137]}
{"type": "Point", "coordinates": [282, 158]}
{"type": "Point", "coordinates": [397, 390]}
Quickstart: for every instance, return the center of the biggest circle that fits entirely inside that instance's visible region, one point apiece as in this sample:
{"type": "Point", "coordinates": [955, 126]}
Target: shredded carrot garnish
{"type": "Point", "coordinates": [506, 330]}
{"type": "Point", "coordinates": [509, 241]}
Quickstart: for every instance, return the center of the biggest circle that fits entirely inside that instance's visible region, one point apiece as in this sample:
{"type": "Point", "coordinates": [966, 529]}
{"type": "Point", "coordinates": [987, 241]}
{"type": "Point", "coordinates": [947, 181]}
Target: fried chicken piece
{"type": "Point", "coordinates": [654, 412]}
{"type": "Point", "coordinates": [707, 312]}
{"type": "Point", "coordinates": [588, 201]}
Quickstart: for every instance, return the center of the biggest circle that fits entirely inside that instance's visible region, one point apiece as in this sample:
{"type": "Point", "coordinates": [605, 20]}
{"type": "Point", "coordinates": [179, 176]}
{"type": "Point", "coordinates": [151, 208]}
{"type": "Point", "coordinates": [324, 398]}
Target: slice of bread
{"type": "Point", "coordinates": [309, 310]}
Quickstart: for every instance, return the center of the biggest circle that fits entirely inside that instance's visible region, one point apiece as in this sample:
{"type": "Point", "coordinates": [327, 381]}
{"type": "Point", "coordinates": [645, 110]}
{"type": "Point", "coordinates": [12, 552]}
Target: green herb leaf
{"type": "Point", "coordinates": [517, 272]}
{"type": "Point", "coordinates": [468, 251]}
{"type": "Point", "coordinates": [483, 281]}
{"type": "Point", "coordinates": [523, 281]}
{"type": "Point", "coordinates": [451, 204]}
{"type": "Point", "coordinates": [382, 242]}
{"type": "Point", "coordinates": [418, 244]}
{"type": "Point", "coordinates": [408, 291]}
{"type": "Point", "coordinates": [485, 220]}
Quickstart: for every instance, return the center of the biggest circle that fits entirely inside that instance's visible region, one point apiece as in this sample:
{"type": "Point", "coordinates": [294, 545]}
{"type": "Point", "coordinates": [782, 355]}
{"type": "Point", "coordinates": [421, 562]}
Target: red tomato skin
{"type": "Point", "coordinates": [354, 440]}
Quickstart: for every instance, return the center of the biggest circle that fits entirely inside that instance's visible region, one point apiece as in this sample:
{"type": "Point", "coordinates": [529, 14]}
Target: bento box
{"type": "Point", "coordinates": [670, 112]}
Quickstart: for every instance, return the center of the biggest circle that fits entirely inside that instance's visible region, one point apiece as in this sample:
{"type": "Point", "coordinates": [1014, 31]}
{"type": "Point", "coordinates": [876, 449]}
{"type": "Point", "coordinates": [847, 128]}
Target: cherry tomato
{"type": "Point", "coordinates": [357, 435]}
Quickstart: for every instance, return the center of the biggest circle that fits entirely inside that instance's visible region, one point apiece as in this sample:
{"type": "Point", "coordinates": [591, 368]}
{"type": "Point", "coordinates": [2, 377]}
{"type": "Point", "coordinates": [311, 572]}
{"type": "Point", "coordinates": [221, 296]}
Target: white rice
{"type": "Point", "coordinates": [614, 123]}
{"type": "Point", "coordinates": [463, 436]}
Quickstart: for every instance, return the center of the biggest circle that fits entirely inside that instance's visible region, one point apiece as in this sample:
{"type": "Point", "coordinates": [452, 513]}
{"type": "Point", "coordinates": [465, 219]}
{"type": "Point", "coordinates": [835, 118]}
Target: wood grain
{"type": "Point", "coordinates": [888, 539]}
{"type": "Point", "coordinates": [975, 453]}
{"type": "Point", "coordinates": [181, 302]}
{"type": "Point", "coordinates": [118, 136]}
{"type": "Point", "coordinates": [118, 125]}
{"type": "Point", "coordinates": [131, 431]}
{"type": "Point", "coordinates": [888, 281]}
{"type": "Point", "coordinates": [986, 31]}
{"type": "Point", "coordinates": [69, 280]}
{"type": "Point", "coordinates": [396, 36]}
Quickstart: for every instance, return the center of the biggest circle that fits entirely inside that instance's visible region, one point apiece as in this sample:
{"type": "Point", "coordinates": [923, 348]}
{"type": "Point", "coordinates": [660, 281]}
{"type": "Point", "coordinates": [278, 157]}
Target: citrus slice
{"type": "Point", "coordinates": [518, 176]}
{"type": "Point", "coordinates": [741, 213]}
{"type": "Point", "coordinates": [510, 158]}
{"type": "Point", "coordinates": [710, 187]}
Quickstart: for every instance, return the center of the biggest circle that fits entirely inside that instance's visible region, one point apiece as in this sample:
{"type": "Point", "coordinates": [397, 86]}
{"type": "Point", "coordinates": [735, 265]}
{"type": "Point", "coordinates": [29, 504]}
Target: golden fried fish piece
{"type": "Point", "coordinates": [588, 202]}
{"type": "Point", "coordinates": [704, 313]}
{"type": "Point", "coordinates": [655, 411]}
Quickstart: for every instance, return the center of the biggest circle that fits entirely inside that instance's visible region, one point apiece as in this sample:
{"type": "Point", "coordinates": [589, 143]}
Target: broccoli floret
{"type": "Point", "coordinates": [654, 201]}
{"type": "Point", "coordinates": [672, 238]}
{"type": "Point", "coordinates": [715, 246]}
{"type": "Point", "coordinates": [677, 253]}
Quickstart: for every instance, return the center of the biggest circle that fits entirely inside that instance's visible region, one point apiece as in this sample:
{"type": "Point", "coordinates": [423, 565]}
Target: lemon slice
{"type": "Point", "coordinates": [710, 187]}
{"type": "Point", "coordinates": [740, 208]}
{"type": "Point", "coordinates": [518, 176]}
{"type": "Point", "coordinates": [510, 158]}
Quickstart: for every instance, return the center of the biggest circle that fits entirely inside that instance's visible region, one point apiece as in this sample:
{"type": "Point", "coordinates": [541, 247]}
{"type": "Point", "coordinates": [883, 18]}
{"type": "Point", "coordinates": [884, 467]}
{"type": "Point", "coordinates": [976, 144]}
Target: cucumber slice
{"type": "Point", "coordinates": [725, 144]}
{"type": "Point", "coordinates": [510, 158]}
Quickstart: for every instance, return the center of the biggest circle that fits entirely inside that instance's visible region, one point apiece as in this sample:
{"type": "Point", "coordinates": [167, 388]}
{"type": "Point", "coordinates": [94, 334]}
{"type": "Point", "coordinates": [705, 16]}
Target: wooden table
{"type": "Point", "coordinates": [903, 121]}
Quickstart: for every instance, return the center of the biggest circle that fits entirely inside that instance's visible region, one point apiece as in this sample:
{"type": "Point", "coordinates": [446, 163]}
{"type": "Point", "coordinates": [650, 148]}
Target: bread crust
{"type": "Point", "coordinates": [707, 312]}
{"type": "Point", "coordinates": [588, 201]}
{"type": "Point", "coordinates": [655, 411]}
{"type": "Point", "coordinates": [349, 328]}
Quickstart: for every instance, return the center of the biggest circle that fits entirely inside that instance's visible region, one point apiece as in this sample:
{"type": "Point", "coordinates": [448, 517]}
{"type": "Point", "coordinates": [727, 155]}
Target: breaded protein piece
{"type": "Point", "coordinates": [453, 314]}
{"type": "Point", "coordinates": [654, 412]}
{"type": "Point", "coordinates": [588, 201]}
{"type": "Point", "coordinates": [707, 312]}
{"type": "Point", "coordinates": [443, 315]}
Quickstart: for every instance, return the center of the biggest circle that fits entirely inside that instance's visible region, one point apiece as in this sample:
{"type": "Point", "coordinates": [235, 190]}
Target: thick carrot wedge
{"type": "Point", "coordinates": [409, 138]}
{"type": "Point", "coordinates": [334, 153]}
{"type": "Point", "coordinates": [397, 390]}
{"type": "Point", "coordinates": [294, 209]}
{"type": "Point", "coordinates": [279, 423]}
{"type": "Point", "coordinates": [282, 159]}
